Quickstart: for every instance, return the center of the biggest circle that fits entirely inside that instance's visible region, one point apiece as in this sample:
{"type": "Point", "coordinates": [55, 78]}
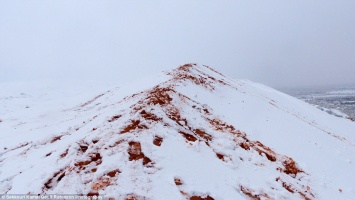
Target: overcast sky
{"type": "Point", "coordinates": [277, 43]}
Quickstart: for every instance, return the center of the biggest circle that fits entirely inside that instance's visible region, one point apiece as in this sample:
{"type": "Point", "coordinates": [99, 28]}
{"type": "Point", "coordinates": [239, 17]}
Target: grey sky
{"type": "Point", "coordinates": [278, 43]}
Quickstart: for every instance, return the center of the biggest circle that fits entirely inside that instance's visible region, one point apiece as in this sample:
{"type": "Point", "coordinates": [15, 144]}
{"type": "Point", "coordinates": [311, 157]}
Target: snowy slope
{"type": "Point", "coordinates": [191, 133]}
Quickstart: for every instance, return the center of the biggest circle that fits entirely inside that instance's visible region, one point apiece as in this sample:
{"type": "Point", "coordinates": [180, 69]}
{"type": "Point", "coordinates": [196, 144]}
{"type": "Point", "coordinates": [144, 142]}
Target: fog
{"type": "Point", "coordinates": [278, 43]}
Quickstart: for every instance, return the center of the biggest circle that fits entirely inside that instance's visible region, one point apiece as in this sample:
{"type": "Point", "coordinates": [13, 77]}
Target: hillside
{"type": "Point", "coordinates": [191, 133]}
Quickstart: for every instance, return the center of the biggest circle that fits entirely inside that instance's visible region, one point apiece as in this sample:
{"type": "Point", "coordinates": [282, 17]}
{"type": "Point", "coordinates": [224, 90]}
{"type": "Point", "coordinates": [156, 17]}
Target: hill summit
{"type": "Point", "coordinates": [191, 133]}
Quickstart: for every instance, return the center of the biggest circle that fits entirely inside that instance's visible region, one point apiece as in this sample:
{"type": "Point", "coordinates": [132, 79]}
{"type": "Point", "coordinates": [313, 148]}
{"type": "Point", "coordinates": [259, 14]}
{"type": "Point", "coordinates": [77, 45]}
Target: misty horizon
{"type": "Point", "coordinates": [280, 44]}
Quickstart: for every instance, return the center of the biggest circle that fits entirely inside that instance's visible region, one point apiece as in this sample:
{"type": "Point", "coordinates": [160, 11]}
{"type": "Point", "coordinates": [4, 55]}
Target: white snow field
{"type": "Point", "coordinates": [191, 133]}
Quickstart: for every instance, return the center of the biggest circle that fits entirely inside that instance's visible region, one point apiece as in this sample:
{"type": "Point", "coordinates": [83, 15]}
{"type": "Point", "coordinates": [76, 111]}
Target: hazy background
{"type": "Point", "coordinates": [301, 43]}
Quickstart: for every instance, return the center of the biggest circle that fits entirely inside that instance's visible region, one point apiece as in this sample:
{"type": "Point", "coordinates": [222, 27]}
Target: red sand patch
{"type": "Point", "coordinates": [252, 194]}
{"type": "Point", "coordinates": [135, 125]}
{"type": "Point", "coordinates": [114, 118]}
{"type": "Point", "coordinates": [201, 198]}
{"type": "Point", "coordinates": [243, 141]}
{"type": "Point", "coordinates": [188, 137]}
{"type": "Point", "coordinates": [92, 194]}
{"type": "Point", "coordinates": [56, 139]}
{"type": "Point", "coordinates": [306, 194]}
{"type": "Point", "coordinates": [83, 147]}
{"type": "Point", "coordinates": [18, 147]}
{"type": "Point", "coordinates": [64, 154]}
{"type": "Point", "coordinates": [203, 134]}
{"type": "Point", "coordinates": [291, 167]}
{"type": "Point", "coordinates": [134, 197]}
{"type": "Point", "coordinates": [157, 141]}
{"type": "Point", "coordinates": [105, 180]}
{"type": "Point", "coordinates": [56, 178]}
{"type": "Point", "coordinates": [113, 173]}
{"type": "Point", "coordinates": [214, 70]}
{"type": "Point", "coordinates": [150, 116]}
{"type": "Point", "coordinates": [289, 164]}
{"type": "Point", "coordinates": [206, 111]}
{"type": "Point", "coordinates": [117, 143]}
{"type": "Point", "coordinates": [135, 152]}
{"type": "Point", "coordinates": [92, 100]}
{"type": "Point", "coordinates": [244, 145]}
{"type": "Point", "coordinates": [174, 114]}
{"type": "Point", "coordinates": [220, 156]}
{"type": "Point", "coordinates": [177, 181]}
{"type": "Point", "coordinates": [184, 73]}
{"type": "Point", "coordinates": [287, 187]}
{"type": "Point", "coordinates": [94, 158]}
{"type": "Point", "coordinates": [101, 183]}
{"type": "Point", "coordinates": [160, 96]}
{"type": "Point", "coordinates": [200, 78]}
{"type": "Point", "coordinates": [218, 125]}
{"type": "Point", "coordinates": [262, 149]}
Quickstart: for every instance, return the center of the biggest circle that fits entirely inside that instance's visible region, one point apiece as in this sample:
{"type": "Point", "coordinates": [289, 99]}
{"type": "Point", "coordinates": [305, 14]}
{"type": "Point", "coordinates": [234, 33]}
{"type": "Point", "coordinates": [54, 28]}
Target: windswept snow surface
{"type": "Point", "coordinates": [191, 133]}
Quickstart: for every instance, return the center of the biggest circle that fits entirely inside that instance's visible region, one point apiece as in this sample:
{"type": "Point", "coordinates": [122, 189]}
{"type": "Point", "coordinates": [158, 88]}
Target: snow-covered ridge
{"type": "Point", "coordinates": [189, 134]}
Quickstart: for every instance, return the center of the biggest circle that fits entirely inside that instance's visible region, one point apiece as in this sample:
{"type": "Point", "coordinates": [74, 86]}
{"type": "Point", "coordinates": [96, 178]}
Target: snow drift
{"type": "Point", "coordinates": [191, 133]}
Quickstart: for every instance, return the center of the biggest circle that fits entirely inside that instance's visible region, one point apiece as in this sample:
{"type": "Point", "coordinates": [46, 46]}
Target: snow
{"type": "Point", "coordinates": [343, 91]}
{"type": "Point", "coordinates": [70, 139]}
